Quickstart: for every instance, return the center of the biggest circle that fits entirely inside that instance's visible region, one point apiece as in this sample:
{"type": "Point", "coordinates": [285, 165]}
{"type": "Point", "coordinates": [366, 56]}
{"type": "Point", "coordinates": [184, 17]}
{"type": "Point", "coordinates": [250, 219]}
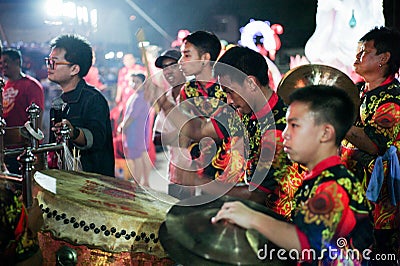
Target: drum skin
{"type": "Point", "coordinates": [102, 218]}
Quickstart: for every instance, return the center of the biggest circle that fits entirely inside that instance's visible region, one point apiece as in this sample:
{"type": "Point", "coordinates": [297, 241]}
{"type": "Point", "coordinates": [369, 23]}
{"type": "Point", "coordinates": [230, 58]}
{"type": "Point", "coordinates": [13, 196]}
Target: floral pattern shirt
{"type": "Point", "coordinates": [17, 242]}
{"type": "Point", "coordinates": [331, 207]}
{"type": "Point", "coordinates": [265, 164]}
{"type": "Point", "coordinates": [380, 119]}
{"type": "Point", "coordinates": [204, 101]}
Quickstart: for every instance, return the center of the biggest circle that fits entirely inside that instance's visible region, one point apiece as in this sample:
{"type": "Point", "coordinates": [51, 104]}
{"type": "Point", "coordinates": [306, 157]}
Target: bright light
{"type": "Point", "coordinates": [69, 10]}
{"type": "Point", "coordinates": [82, 14]}
{"type": "Point", "coordinates": [54, 7]}
{"type": "Point", "coordinates": [120, 54]}
{"type": "Point", "coordinates": [93, 18]}
{"type": "Point", "coordinates": [109, 55]}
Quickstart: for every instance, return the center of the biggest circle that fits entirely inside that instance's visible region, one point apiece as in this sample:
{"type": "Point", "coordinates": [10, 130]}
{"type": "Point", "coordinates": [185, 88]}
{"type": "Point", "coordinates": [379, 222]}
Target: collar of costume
{"type": "Point", "coordinates": [210, 83]}
{"type": "Point", "coordinates": [321, 166]}
{"type": "Point", "coordinates": [74, 95]}
{"type": "Point", "coordinates": [268, 107]}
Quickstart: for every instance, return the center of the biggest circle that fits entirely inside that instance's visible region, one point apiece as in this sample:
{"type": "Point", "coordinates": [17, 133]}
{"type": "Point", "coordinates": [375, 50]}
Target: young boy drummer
{"type": "Point", "coordinates": [330, 204]}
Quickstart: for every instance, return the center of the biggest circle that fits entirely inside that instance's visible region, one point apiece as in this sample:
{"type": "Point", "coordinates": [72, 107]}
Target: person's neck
{"type": "Point", "coordinates": [70, 85]}
{"type": "Point", "coordinates": [204, 76]}
{"type": "Point", "coordinates": [175, 91]}
{"type": "Point", "coordinates": [263, 99]}
{"type": "Point", "coordinates": [16, 76]}
{"type": "Point", "coordinates": [325, 151]}
{"type": "Point", "coordinates": [374, 81]}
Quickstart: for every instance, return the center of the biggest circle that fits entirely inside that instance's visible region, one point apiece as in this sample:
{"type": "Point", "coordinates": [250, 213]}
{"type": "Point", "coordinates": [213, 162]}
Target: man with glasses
{"type": "Point", "coordinates": [20, 91]}
{"type": "Point", "coordinates": [88, 115]}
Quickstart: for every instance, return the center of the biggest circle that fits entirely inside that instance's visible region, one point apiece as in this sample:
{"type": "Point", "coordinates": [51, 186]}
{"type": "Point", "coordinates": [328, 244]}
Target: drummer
{"type": "Point", "coordinates": [330, 205]}
{"type": "Point", "coordinates": [257, 120]}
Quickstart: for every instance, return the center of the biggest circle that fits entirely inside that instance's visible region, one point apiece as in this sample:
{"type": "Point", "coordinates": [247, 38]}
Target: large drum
{"type": "Point", "coordinates": [100, 220]}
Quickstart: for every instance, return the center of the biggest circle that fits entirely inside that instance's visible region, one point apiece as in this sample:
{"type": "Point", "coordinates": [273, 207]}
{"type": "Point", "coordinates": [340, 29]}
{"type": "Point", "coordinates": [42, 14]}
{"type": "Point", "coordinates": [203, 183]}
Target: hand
{"type": "Point", "coordinates": [236, 213]}
{"type": "Point", "coordinates": [35, 217]}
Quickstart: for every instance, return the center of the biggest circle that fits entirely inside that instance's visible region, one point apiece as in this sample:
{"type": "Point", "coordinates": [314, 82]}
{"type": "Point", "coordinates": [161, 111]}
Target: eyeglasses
{"type": "Point", "coordinates": [172, 65]}
{"type": "Point", "coordinates": [51, 63]}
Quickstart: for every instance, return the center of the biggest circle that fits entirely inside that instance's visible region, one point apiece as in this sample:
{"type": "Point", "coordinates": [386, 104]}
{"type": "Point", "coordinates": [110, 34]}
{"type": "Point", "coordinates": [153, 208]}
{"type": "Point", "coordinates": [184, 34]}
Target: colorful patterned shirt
{"type": "Point", "coordinates": [266, 165]}
{"type": "Point", "coordinates": [380, 119]}
{"type": "Point", "coordinates": [331, 205]}
{"type": "Point", "coordinates": [17, 242]}
{"type": "Point", "coordinates": [204, 102]}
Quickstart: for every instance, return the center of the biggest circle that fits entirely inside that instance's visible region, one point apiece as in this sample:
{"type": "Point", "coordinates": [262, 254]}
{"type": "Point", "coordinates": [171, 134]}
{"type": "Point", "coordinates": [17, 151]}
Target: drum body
{"type": "Point", "coordinates": [107, 221]}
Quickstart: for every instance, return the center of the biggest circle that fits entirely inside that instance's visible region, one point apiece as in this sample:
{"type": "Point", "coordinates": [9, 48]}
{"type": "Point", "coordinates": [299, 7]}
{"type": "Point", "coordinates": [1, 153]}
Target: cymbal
{"type": "Point", "coordinates": [315, 74]}
{"type": "Point", "coordinates": [191, 227]}
{"type": "Point", "coordinates": [179, 253]}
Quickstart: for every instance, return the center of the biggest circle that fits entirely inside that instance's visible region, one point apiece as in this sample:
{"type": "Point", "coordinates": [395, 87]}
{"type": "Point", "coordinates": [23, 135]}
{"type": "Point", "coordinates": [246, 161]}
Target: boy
{"type": "Point", "coordinates": [330, 204]}
{"type": "Point", "coordinates": [200, 50]}
{"type": "Point", "coordinates": [256, 121]}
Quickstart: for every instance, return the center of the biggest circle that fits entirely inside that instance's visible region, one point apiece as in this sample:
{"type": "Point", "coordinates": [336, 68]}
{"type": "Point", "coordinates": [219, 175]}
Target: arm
{"type": "Point", "coordinates": [194, 128]}
{"type": "Point", "coordinates": [281, 233]}
{"type": "Point", "coordinates": [358, 138]}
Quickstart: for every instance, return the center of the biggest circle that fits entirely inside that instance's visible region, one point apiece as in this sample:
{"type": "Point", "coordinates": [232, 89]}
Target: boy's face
{"type": "Point", "coordinates": [301, 137]}
{"type": "Point", "coordinates": [234, 94]}
{"type": "Point", "coordinates": [190, 62]}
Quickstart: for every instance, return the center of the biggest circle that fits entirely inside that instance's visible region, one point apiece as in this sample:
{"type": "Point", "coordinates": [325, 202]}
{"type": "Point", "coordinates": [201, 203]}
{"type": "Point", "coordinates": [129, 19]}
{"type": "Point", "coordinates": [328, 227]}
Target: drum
{"type": "Point", "coordinates": [104, 220]}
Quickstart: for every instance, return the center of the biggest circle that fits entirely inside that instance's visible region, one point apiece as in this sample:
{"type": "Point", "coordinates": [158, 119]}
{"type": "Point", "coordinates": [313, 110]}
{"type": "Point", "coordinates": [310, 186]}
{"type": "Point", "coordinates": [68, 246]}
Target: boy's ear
{"type": "Point", "coordinates": [328, 134]}
{"type": "Point", "coordinates": [206, 56]}
{"type": "Point", "coordinates": [252, 83]}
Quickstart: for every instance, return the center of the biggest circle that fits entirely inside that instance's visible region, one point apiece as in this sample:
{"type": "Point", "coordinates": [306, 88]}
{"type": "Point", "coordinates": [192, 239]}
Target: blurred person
{"type": "Point", "coordinates": [87, 115]}
{"type": "Point", "coordinates": [135, 128]}
{"type": "Point", "coordinates": [372, 146]}
{"type": "Point", "coordinates": [19, 226]}
{"type": "Point", "coordinates": [165, 133]}
{"type": "Point", "coordinates": [19, 92]}
{"type": "Point", "coordinates": [93, 76]}
{"type": "Point", "coordinates": [254, 115]}
{"type": "Point", "coordinates": [124, 91]}
{"type": "Point", "coordinates": [330, 204]}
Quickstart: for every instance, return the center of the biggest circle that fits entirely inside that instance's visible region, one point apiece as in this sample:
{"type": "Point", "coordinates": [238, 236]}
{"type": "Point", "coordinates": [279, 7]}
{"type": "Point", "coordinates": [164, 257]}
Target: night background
{"type": "Point", "coordinates": [23, 21]}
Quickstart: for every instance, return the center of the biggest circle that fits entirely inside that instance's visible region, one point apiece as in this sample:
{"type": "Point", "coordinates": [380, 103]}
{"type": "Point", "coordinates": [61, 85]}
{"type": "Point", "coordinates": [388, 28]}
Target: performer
{"type": "Point", "coordinates": [372, 146]}
{"type": "Point", "coordinates": [330, 204]}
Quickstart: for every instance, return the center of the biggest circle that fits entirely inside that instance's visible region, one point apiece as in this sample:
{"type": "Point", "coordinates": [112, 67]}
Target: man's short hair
{"type": "Point", "coordinates": [77, 51]}
{"type": "Point", "coordinates": [330, 105]}
{"type": "Point", "coordinates": [13, 53]}
{"type": "Point", "coordinates": [245, 60]}
{"type": "Point", "coordinates": [205, 42]}
{"type": "Point", "coordinates": [141, 76]}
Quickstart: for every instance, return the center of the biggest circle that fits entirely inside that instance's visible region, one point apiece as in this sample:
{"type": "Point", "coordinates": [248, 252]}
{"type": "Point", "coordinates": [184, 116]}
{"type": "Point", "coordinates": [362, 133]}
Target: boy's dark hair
{"type": "Point", "coordinates": [13, 54]}
{"type": "Point", "coordinates": [386, 40]}
{"type": "Point", "coordinates": [330, 105]}
{"type": "Point", "coordinates": [77, 51]}
{"type": "Point", "coordinates": [140, 76]}
{"type": "Point", "coordinates": [247, 61]}
{"type": "Point", "coordinates": [205, 42]}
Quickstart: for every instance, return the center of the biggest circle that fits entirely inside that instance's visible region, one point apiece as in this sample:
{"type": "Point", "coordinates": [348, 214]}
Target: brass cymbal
{"type": "Point", "coordinates": [190, 226]}
{"type": "Point", "coordinates": [179, 253]}
{"type": "Point", "coordinates": [315, 74]}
